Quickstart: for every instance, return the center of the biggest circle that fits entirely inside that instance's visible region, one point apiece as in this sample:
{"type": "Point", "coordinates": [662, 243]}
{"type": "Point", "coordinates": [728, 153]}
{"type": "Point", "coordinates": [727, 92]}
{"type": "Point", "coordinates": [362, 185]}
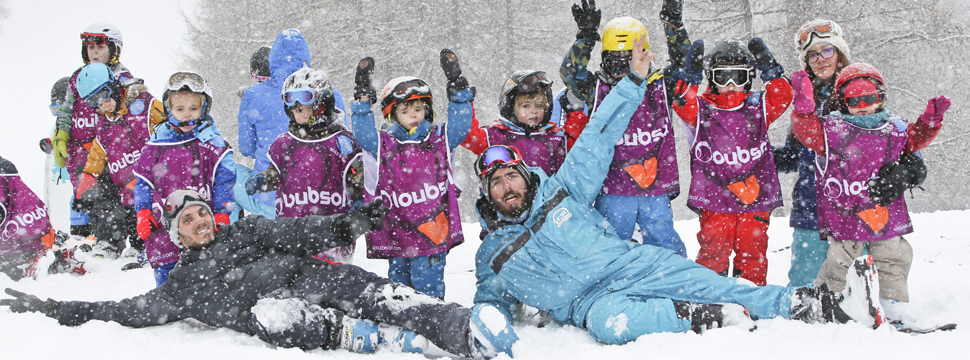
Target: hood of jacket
{"type": "Point", "coordinates": [287, 55]}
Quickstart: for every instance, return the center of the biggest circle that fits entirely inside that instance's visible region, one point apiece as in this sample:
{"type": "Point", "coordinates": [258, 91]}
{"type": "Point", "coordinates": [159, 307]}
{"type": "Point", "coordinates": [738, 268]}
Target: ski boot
{"type": "Point", "coordinates": [140, 260]}
{"type": "Point", "coordinates": [491, 332]}
{"type": "Point", "coordinates": [704, 317]}
{"type": "Point", "coordinates": [363, 336]}
{"type": "Point", "coordinates": [858, 301]}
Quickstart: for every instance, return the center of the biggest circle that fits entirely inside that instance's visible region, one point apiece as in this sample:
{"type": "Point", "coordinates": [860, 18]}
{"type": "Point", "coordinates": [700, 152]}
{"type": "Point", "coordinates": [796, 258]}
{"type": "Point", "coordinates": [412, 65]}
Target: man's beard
{"type": "Point", "coordinates": [514, 211]}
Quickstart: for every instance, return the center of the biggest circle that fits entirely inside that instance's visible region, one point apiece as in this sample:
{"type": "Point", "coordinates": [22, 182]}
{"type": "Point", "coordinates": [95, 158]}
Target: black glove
{"type": "Point", "coordinates": [672, 13]}
{"type": "Point", "coordinates": [587, 19]}
{"type": "Point", "coordinates": [22, 303]}
{"type": "Point", "coordinates": [264, 181]}
{"type": "Point", "coordinates": [894, 179]}
{"type": "Point", "coordinates": [363, 80]}
{"type": "Point", "coordinates": [456, 81]}
{"type": "Point", "coordinates": [764, 61]}
{"type": "Point", "coordinates": [691, 74]}
{"type": "Point", "coordinates": [368, 217]}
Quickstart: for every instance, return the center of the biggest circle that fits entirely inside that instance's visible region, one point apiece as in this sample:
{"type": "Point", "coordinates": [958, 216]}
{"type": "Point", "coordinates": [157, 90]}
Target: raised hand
{"type": "Point", "coordinates": [452, 69]}
{"type": "Point", "coordinates": [935, 108]}
{"type": "Point", "coordinates": [363, 81]}
{"type": "Point", "coordinates": [672, 12]}
{"type": "Point", "coordinates": [804, 93]}
{"type": "Point", "coordinates": [587, 19]}
{"type": "Point", "coordinates": [764, 61]}
{"type": "Point", "coordinates": [640, 63]}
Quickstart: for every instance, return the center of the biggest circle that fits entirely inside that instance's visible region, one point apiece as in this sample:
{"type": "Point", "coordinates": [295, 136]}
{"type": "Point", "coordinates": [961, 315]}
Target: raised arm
{"type": "Point", "coordinates": [580, 81]}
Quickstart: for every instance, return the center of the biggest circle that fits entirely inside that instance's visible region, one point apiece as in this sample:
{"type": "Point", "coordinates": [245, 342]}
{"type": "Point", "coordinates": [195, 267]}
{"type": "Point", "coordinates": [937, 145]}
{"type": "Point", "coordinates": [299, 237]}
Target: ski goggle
{"type": "Point", "coordinates": [177, 200]}
{"type": "Point", "coordinates": [738, 75]}
{"type": "Point", "coordinates": [305, 96]}
{"type": "Point", "coordinates": [258, 77]}
{"type": "Point", "coordinates": [813, 57]}
{"type": "Point", "coordinates": [533, 82]}
{"type": "Point", "coordinates": [180, 80]}
{"type": "Point", "coordinates": [102, 93]}
{"type": "Point", "coordinates": [93, 38]}
{"type": "Point", "coordinates": [822, 29]}
{"type": "Point", "coordinates": [407, 89]}
{"type": "Point", "coordinates": [861, 101]}
{"type": "Point", "coordinates": [496, 156]}
{"type": "Point", "coordinates": [616, 65]}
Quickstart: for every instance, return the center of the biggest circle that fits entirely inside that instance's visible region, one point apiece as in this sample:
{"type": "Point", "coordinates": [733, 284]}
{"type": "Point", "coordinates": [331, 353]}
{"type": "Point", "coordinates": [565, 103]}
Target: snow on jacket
{"type": "Point", "coordinates": [565, 253]}
{"type": "Point", "coordinates": [24, 219]}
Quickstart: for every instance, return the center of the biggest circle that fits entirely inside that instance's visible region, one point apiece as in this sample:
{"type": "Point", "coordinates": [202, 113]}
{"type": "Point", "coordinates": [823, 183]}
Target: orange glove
{"type": "Point", "coordinates": [145, 223]}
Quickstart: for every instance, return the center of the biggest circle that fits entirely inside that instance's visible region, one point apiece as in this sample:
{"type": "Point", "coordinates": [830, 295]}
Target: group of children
{"type": "Point", "coordinates": [149, 148]}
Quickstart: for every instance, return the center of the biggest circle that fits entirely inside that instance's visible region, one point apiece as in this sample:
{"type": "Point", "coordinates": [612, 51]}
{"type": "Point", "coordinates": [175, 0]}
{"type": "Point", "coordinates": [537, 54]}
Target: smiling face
{"type": "Point", "coordinates": [530, 109]}
{"type": "Point", "coordinates": [196, 227]}
{"type": "Point", "coordinates": [507, 189]}
{"type": "Point", "coordinates": [98, 53]}
{"type": "Point", "coordinates": [822, 68]}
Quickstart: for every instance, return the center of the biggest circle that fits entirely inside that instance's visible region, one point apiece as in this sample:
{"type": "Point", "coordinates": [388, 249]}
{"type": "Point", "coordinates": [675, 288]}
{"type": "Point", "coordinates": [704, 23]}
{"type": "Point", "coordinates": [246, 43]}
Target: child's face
{"type": "Point", "coordinates": [871, 109]}
{"type": "Point", "coordinates": [185, 106]}
{"type": "Point", "coordinates": [822, 67]}
{"type": "Point", "coordinates": [729, 88]}
{"type": "Point", "coordinates": [98, 53]}
{"type": "Point", "coordinates": [410, 114]}
{"type": "Point", "coordinates": [530, 109]}
{"type": "Point", "coordinates": [301, 113]}
{"type": "Point", "coordinates": [107, 106]}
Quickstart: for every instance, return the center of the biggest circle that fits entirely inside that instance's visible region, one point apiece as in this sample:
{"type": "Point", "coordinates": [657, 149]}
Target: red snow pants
{"type": "Point", "coordinates": [746, 234]}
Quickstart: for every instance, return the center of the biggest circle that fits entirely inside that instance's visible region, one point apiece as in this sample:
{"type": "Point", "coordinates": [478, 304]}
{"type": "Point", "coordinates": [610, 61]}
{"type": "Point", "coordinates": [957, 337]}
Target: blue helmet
{"type": "Point", "coordinates": [96, 82]}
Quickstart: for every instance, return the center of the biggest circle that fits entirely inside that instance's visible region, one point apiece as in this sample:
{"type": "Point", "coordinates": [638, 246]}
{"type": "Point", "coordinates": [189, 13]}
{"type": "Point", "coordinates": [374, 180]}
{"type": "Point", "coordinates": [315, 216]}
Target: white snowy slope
{"type": "Point", "coordinates": [938, 287]}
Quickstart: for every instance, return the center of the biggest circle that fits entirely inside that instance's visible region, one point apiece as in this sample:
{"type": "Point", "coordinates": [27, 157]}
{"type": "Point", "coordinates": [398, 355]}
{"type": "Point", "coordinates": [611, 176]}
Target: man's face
{"type": "Point", "coordinates": [508, 191]}
{"type": "Point", "coordinates": [196, 227]}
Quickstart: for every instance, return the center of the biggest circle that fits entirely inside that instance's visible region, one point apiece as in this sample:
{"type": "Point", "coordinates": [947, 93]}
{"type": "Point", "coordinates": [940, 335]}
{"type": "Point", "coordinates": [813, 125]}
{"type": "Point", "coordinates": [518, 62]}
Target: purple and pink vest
{"type": "Point", "coordinates": [543, 149]}
{"type": "Point", "coordinates": [312, 179]}
{"type": "Point", "coordinates": [853, 156]}
{"type": "Point", "coordinates": [732, 167]}
{"type": "Point", "coordinates": [415, 181]}
{"type": "Point", "coordinates": [168, 167]}
{"type": "Point", "coordinates": [84, 119]}
{"type": "Point", "coordinates": [25, 219]}
{"type": "Point", "coordinates": [645, 161]}
{"type": "Point", "coordinates": [122, 140]}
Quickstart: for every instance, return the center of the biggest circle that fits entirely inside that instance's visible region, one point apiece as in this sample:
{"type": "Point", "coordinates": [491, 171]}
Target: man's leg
{"type": "Point", "coordinates": [751, 247]}
{"type": "Point", "coordinates": [656, 222]}
{"type": "Point", "coordinates": [619, 319]}
{"type": "Point", "coordinates": [715, 238]}
{"type": "Point", "coordinates": [364, 295]}
{"type": "Point", "coordinates": [808, 252]}
{"type": "Point", "coordinates": [620, 211]}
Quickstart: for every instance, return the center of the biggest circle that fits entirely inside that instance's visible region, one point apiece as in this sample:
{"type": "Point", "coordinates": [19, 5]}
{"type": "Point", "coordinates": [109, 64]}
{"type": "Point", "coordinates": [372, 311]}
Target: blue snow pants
{"type": "Point", "coordinates": [632, 307]}
{"type": "Point", "coordinates": [652, 213]}
{"type": "Point", "coordinates": [425, 274]}
{"type": "Point", "coordinates": [808, 252]}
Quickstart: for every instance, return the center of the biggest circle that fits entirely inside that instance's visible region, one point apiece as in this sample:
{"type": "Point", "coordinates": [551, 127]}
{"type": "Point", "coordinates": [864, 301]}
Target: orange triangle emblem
{"type": "Point", "coordinates": [644, 174]}
{"type": "Point", "coordinates": [747, 191]}
{"type": "Point", "coordinates": [437, 229]}
{"type": "Point", "coordinates": [876, 218]}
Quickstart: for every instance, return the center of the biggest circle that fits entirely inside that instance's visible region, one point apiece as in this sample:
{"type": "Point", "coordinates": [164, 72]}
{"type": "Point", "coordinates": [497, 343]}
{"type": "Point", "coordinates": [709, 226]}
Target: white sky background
{"type": "Point", "coordinates": [40, 43]}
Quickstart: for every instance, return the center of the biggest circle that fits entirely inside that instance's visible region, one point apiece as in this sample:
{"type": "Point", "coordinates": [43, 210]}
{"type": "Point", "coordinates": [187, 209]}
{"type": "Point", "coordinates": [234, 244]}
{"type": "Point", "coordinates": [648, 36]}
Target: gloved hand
{"type": "Point", "coordinates": [145, 223]}
{"type": "Point", "coordinates": [672, 13]}
{"type": "Point", "coordinates": [764, 61]}
{"type": "Point", "coordinates": [363, 80]}
{"type": "Point", "coordinates": [587, 19]}
{"type": "Point", "coordinates": [85, 183]}
{"type": "Point", "coordinates": [221, 219]}
{"type": "Point", "coordinates": [22, 303]}
{"type": "Point", "coordinates": [263, 181]}
{"type": "Point", "coordinates": [935, 108]}
{"type": "Point", "coordinates": [895, 178]}
{"type": "Point", "coordinates": [60, 147]}
{"type": "Point", "coordinates": [368, 217]}
{"type": "Point", "coordinates": [456, 81]}
{"type": "Point", "coordinates": [803, 93]}
{"type": "Point", "coordinates": [692, 73]}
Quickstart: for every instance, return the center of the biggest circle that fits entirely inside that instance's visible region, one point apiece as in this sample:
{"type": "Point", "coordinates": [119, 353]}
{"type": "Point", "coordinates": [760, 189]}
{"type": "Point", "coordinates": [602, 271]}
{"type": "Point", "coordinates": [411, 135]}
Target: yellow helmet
{"type": "Point", "coordinates": [620, 32]}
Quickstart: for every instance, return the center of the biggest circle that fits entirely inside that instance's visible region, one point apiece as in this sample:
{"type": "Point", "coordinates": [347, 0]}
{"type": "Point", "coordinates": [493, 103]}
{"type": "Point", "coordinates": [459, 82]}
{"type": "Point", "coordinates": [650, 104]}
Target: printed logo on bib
{"type": "Point", "coordinates": [643, 174]}
{"type": "Point", "coordinates": [835, 188]}
{"type": "Point", "coordinates": [704, 153]}
{"type": "Point", "coordinates": [126, 159]}
{"type": "Point", "coordinates": [876, 218]}
{"type": "Point", "coordinates": [428, 193]}
{"type": "Point", "coordinates": [747, 191]}
{"type": "Point", "coordinates": [642, 137]}
{"type": "Point", "coordinates": [308, 197]}
{"type": "Point", "coordinates": [12, 228]}
{"type": "Point", "coordinates": [437, 229]}
{"type": "Point", "coordinates": [81, 123]}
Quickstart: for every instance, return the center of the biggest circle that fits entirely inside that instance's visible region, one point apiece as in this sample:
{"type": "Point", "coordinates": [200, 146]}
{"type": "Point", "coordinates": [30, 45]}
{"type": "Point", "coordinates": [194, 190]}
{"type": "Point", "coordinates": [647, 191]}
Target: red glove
{"type": "Point", "coordinates": [85, 183]}
{"type": "Point", "coordinates": [145, 223]}
{"type": "Point", "coordinates": [575, 123]}
{"type": "Point", "coordinates": [804, 93]}
{"type": "Point", "coordinates": [221, 219]}
{"type": "Point", "coordinates": [933, 116]}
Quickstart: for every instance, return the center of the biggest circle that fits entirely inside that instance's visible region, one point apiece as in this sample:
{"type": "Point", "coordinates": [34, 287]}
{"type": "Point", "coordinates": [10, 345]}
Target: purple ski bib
{"type": "Point", "coordinates": [732, 167]}
{"type": "Point", "coordinates": [84, 119]}
{"type": "Point", "coordinates": [415, 181]}
{"type": "Point", "coordinates": [312, 179]}
{"type": "Point", "coordinates": [168, 167]}
{"type": "Point", "coordinates": [645, 161]}
{"type": "Point", "coordinates": [853, 156]}
{"type": "Point", "coordinates": [545, 150]}
{"type": "Point", "coordinates": [122, 140]}
{"type": "Point", "coordinates": [25, 219]}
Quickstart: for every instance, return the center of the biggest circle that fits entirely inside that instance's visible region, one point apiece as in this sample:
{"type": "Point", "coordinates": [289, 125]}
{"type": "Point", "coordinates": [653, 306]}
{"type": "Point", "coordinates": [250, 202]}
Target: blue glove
{"type": "Point", "coordinates": [764, 61]}
{"type": "Point", "coordinates": [692, 73]}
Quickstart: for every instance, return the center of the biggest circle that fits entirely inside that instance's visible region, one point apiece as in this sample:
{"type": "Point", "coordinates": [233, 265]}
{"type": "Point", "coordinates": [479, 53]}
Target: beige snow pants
{"type": "Point", "coordinates": [892, 258]}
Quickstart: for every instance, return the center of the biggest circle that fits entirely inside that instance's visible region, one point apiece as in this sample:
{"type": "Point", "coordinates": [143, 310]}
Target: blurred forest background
{"type": "Point", "coordinates": [920, 46]}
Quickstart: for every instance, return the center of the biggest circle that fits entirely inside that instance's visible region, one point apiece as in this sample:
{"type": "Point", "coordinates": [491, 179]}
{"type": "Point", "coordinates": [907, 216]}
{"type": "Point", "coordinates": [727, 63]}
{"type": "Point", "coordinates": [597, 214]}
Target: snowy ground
{"type": "Point", "coordinates": [937, 283]}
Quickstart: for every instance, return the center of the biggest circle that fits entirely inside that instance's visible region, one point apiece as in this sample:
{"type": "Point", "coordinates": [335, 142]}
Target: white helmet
{"type": "Point", "coordinates": [100, 33]}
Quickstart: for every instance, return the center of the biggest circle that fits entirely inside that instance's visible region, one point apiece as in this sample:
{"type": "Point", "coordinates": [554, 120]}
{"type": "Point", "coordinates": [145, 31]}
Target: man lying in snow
{"type": "Point", "coordinates": [258, 276]}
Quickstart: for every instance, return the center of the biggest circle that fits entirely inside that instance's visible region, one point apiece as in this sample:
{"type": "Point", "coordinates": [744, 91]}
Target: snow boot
{"type": "Point", "coordinates": [363, 336]}
{"type": "Point", "coordinates": [704, 317]}
{"type": "Point", "coordinates": [858, 301]}
{"type": "Point", "coordinates": [491, 332]}
{"type": "Point", "coordinates": [140, 259]}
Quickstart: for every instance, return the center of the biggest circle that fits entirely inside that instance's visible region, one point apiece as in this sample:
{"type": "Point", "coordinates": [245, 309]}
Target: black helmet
{"type": "Point", "coordinates": [525, 82]}
{"type": "Point", "coordinates": [259, 64]}
{"type": "Point", "coordinates": [59, 90]}
{"type": "Point", "coordinates": [729, 53]}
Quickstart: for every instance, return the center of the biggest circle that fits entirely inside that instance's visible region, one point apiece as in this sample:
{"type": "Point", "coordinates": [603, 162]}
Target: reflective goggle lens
{"type": "Point", "coordinates": [532, 82]}
{"type": "Point", "coordinates": [822, 30]}
{"type": "Point", "coordinates": [180, 80]}
{"type": "Point", "coordinates": [739, 76]}
{"type": "Point", "coordinates": [99, 95]}
{"type": "Point", "coordinates": [176, 201]}
{"type": "Point", "coordinates": [93, 39]}
{"type": "Point", "coordinates": [616, 65]}
{"type": "Point", "coordinates": [304, 96]}
{"type": "Point", "coordinates": [406, 89]}
{"type": "Point", "coordinates": [861, 101]}
{"type": "Point", "coordinates": [496, 154]}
